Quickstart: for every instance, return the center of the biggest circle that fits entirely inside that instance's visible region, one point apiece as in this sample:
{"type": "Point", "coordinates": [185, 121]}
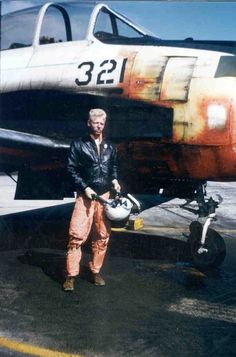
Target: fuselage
{"type": "Point", "coordinates": [188, 125]}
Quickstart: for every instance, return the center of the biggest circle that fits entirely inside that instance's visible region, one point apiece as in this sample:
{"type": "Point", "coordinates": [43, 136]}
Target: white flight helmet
{"type": "Point", "coordinates": [118, 210]}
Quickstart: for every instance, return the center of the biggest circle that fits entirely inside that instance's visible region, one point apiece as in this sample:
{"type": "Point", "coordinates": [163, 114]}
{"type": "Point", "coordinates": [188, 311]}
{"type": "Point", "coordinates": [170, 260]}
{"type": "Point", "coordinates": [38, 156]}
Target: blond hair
{"type": "Point", "coordinates": [97, 112]}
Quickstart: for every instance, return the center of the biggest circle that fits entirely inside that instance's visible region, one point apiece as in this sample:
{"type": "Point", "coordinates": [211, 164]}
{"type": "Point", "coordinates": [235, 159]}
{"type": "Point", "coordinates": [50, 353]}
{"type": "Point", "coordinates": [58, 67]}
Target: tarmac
{"type": "Point", "coordinates": [155, 302]}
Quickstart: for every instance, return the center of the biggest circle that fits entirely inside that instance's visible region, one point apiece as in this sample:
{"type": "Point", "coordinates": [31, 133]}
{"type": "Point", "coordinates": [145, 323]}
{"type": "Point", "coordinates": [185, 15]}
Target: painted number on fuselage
{"type": "Point", "coordinates": [107, 72]}
{"type": "Point", "coordinates": [87, 68]}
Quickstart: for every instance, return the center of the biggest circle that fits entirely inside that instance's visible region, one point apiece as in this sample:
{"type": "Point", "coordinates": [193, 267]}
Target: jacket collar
{"type": "Point", "coordinates": [89, 138]}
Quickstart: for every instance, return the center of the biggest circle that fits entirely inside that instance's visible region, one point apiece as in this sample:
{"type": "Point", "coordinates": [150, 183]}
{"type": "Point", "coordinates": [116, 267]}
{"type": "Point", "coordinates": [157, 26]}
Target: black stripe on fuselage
{"type": "Point", "coordinates": [210, 45]}
{"type": "Point", "coordinates": [62, 116]}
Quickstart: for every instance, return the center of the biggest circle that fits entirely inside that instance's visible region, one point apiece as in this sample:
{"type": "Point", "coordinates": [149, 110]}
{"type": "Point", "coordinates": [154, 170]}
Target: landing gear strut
{"type": "Point", "coordinates": [207, 246]}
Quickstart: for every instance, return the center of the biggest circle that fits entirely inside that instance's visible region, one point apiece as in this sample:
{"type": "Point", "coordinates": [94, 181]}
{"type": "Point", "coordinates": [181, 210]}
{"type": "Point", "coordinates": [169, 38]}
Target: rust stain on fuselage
{"type": "Point", "coordinates": [148, 162]}
{"type": "Point", "coordinates": [203, 142]}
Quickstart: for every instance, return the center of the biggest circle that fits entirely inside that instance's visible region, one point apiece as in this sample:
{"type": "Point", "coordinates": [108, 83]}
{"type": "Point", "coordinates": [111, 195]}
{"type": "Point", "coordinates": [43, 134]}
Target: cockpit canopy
{"type": "Point", "coordinates": [56, 23]}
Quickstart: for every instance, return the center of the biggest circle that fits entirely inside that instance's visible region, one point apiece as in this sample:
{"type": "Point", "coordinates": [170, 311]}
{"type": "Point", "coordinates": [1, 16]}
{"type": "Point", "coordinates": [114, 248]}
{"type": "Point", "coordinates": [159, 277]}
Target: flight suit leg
{"type": "Point", "coordinates": [100, 237]}
{"type": "Point", "coordinates": [80, 226]}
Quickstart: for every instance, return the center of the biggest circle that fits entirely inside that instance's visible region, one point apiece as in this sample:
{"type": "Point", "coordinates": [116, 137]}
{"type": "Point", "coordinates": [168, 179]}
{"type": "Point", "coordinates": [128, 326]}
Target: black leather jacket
{"type": "Point", "coordinates": [89, 169]}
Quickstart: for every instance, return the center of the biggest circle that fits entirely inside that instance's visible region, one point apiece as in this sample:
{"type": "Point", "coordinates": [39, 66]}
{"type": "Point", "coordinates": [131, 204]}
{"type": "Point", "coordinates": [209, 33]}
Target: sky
{"type": "Point", "coordinates": [207, 20]}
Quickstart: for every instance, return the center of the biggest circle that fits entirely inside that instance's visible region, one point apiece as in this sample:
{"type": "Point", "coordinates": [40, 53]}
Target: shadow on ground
{"type": "Point", "coordinates": [43, 234]}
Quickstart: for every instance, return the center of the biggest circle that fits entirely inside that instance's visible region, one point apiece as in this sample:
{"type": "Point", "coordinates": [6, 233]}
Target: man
{"type": "Point", "coordinates": [92, 164]}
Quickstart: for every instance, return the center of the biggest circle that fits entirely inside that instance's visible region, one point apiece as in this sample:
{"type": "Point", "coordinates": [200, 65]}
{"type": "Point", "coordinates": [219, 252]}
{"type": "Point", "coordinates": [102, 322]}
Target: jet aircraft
{"type": "Point", "coordinates": [171, 106]}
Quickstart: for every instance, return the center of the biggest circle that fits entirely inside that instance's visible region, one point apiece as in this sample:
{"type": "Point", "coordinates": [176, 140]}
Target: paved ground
{"type": "Point", "coordinates": [155, 303]}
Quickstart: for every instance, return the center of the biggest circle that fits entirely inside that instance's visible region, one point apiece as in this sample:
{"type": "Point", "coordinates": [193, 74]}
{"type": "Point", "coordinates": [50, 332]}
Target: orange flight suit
{"type": "Point", "coordinates": [87, 214]}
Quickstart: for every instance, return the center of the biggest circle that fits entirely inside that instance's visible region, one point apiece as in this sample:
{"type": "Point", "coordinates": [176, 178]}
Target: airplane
{"type": "Point", "coordinates": [171, 106]}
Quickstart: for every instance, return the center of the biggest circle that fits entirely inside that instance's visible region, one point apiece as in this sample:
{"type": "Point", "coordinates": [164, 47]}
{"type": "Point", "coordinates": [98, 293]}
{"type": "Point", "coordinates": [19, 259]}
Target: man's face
{"type": "Point", "coordinates": [96, 125]}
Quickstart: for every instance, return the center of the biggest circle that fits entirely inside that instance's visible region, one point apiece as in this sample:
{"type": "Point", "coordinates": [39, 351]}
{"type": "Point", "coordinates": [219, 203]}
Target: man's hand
{"type": "Point", "coordinates": [116, 185]}
{"type": "Point", "coordinates": [90, 193]}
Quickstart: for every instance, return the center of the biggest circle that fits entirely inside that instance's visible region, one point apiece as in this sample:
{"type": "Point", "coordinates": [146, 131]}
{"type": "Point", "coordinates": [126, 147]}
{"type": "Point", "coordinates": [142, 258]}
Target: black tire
{"type": "Point", "coordinates": [214, 244]}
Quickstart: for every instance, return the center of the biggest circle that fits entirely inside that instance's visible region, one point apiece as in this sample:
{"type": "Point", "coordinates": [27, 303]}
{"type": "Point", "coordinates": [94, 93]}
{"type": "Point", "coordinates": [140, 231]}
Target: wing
{"type": "Point", "coordinates": [40, 162]}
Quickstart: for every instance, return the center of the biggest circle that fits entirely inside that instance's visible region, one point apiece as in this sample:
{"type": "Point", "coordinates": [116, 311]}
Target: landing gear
{"type": "Point", "coordinates": [207, 246]}
{"type": "Point", "coordinates": [212, 252]}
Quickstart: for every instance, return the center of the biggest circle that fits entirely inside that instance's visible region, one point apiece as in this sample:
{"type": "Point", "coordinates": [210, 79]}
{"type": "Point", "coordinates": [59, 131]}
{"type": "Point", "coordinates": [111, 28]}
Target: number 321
{"type": "Point", "coordinates": [110, 71]}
